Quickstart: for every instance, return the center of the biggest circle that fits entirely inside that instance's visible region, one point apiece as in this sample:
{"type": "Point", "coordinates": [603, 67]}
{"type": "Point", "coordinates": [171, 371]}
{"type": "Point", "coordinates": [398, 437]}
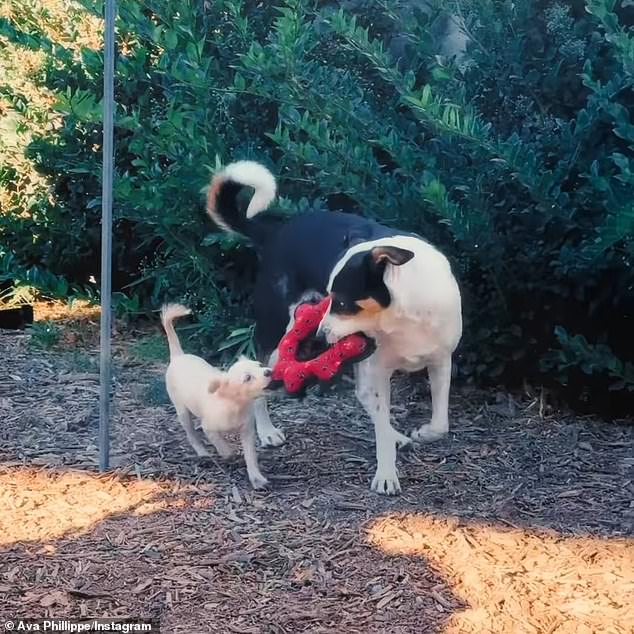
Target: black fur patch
{"type": "Point", "coordinates": [360, 279]}
{"type": "Point", "coordinates": [299, 256]}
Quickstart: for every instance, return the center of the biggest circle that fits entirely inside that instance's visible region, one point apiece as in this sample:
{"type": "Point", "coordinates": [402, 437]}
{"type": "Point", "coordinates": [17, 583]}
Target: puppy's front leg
{"type": "Point", "coordinates": [373, 392]}
{"type": "Point", "coordinates": [221, 445]}
{"type": "Point", "coordinates": [247, 437]}
{"type": "Point", "coordinates": [186, 421]}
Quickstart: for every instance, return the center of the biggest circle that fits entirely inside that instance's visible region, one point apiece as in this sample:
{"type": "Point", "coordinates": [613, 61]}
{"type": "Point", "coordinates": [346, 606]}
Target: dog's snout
{"type": "Point", "coordinates": [325, 334]}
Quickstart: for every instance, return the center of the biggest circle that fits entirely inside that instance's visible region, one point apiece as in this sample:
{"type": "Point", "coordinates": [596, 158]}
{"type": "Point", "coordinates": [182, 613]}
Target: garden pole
{"type": "Point", "coordinates": [105, 360]}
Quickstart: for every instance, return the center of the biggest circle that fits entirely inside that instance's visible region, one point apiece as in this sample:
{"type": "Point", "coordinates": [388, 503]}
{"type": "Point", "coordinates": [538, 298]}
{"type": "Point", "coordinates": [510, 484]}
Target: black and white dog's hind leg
{"type": "Point", "coordinates": [373, 392]}
{"type": "Point", "coordinates": [440, 380]}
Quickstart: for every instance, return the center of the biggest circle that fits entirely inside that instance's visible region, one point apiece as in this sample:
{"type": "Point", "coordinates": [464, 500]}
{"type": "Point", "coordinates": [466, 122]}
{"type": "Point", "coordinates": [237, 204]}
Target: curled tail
{"type": "Point", "coordinates": [222, 204]}
{"type": "Point", "coordinates": [169, 313]}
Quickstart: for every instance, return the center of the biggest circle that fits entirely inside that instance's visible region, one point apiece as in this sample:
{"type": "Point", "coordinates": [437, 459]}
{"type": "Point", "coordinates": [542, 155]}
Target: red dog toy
{"type": "Point", "coordinates": [294, 374]}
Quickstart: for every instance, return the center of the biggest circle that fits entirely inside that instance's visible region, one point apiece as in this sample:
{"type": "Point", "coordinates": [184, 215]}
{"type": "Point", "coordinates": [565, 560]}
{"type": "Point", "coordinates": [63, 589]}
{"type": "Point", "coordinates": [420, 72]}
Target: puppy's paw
{"type": "Point", "coordinates": [224, 449]}
{"type": "Point", "coordinates": [258, 481]}
{"type": "Point", "coordinates": [272, 437]}
{"type": "Point", "coordinates": [428, 433]}
{"type": "Point", "coordinates": [386, 482]}
{"type": "Point", "coordinates": [203, 453]}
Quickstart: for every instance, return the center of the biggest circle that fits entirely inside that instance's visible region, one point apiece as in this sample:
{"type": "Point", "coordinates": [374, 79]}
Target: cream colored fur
{"type": "Point", "coordinates": [223, 401]}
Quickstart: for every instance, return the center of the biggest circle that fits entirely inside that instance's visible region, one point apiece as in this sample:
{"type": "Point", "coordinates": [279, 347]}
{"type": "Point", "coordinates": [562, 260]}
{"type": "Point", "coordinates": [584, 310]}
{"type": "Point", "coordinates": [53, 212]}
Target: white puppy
{"type": "Point", "coordinates": [222, 400]}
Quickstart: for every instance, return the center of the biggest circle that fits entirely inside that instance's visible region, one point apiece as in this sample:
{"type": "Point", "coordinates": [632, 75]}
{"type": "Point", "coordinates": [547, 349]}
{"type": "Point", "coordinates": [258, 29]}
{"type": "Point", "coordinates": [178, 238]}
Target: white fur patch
{"type": "Point", "coordinates": [425, 312]}
{"type": "Point", "coordinates": [252, 174]}
{"type": "Point", "coordinates": [169, 312]}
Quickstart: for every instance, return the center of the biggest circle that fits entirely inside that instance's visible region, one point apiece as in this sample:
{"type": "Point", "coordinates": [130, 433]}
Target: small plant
{"type": "Point", "coordinates": [154, 393]}
{"type": "Point", "coordinates": [149, 349]}
{"type": "Point", "coordinates": [126, 306]}
{"type": "Point", "coordinates": [44, 334]}
{"type": "Point", "coordinates": [82, 362]}
{"type": "Point", "coordinates": [14, 296]}
{"type": "Point", "coordinates": [240, 341]}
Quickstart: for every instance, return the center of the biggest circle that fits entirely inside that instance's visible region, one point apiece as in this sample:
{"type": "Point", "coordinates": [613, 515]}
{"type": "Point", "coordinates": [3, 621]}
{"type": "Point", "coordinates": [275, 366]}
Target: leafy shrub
{"type": "Point", "coordinates": [515, 158]}
{"type": "Point", "coordinates": [577, 354]}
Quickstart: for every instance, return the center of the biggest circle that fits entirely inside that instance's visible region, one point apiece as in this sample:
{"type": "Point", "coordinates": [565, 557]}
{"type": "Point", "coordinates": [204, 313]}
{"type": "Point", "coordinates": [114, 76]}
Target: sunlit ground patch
{"type": "Point", "coordinates": [516, 580]}
{"type": "Point", "coordinates": [44, 504]}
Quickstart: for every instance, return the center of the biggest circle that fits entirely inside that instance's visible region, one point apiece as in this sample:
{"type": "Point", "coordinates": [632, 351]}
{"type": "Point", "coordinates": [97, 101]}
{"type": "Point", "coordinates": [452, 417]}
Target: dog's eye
{"type": "Point", "coordinates": [247, 378]}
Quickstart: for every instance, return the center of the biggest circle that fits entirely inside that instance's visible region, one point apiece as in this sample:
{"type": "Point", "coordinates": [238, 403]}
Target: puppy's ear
{"type": "Point", "coordinates": [393, 255]}
{"type": "Point", "coordinates": [213, 386]}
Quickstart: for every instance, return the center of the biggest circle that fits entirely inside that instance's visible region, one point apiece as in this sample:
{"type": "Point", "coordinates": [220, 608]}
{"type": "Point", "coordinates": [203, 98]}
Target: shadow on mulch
{"type": "Point", "coordinates": [202, 562]}
{"type": "Point", "coordinates": [514, 523]}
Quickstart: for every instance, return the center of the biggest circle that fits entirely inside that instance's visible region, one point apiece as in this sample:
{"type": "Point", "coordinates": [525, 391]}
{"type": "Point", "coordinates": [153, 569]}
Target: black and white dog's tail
{"type": "Point", "coordinates": [222, 195]}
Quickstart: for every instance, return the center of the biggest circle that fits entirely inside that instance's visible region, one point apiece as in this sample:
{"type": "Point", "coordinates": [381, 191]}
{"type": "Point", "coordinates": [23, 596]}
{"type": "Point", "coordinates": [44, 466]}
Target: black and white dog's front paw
{"type": "Point", "coordinates": [429, 433]}
{"type": "Point", "coordinates": [271, 437]}
{"type": "Point", "coordinates": [386, 482]}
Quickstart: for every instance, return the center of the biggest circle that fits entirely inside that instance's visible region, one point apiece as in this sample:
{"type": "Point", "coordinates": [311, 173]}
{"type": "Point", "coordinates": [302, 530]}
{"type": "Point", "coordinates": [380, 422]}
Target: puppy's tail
{"type": "Point", "coordinates": [222, 195]}
{"type": "Point", "coordinates": [169, 313]}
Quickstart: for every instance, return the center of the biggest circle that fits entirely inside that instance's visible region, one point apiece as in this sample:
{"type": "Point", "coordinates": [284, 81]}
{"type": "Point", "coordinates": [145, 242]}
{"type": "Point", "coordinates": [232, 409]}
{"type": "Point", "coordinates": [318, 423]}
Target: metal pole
{"type": "Point", "coordinates": [105, 369]}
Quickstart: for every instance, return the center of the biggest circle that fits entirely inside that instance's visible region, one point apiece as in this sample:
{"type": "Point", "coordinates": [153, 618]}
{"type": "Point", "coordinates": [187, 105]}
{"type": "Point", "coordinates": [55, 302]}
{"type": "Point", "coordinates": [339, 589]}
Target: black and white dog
{"type": "Point", "coordinates": [391, 285]}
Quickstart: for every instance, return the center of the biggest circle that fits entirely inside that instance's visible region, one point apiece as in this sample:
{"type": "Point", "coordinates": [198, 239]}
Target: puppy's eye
{"type": "Point", "coordinates": [247, 378]}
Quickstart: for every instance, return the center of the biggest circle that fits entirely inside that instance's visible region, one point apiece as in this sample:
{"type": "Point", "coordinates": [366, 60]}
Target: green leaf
{"type": "Point", "coordinates": [171, 39]}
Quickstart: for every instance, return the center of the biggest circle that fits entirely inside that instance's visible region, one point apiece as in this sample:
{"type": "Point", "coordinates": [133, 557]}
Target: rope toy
{"type": "Point", "coordinates": [295, 374]}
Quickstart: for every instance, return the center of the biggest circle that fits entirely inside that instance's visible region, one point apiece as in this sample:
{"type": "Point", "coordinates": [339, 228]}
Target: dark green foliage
{"type": "Point", "coordinates": [577, 354]}
{"type": "Point", "coordinates": [516, 159]}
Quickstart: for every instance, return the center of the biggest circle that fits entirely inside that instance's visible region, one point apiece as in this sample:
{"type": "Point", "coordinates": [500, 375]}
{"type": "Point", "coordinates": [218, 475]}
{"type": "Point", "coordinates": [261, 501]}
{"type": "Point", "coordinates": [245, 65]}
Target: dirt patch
{"type": "Point", "coordinates": [79, 312]}
{"type": "Point", "coordinates": [515, 523]}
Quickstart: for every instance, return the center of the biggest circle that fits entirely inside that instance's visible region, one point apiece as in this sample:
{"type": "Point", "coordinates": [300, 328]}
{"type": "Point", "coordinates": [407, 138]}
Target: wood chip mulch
{"type": "Point", "coordinates": [515, 523]}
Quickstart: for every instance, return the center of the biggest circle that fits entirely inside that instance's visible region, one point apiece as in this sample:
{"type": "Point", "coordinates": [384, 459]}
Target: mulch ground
{"type": "Point", "coordinates": [517, 522]}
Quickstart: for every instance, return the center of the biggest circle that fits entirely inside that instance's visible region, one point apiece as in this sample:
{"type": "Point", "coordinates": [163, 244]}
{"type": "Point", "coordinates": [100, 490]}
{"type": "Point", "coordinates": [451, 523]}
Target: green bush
{"type": "Point", "coordinates": [515, 158]}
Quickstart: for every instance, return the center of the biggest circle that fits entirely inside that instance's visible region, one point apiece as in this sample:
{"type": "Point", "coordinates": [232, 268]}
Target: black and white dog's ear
{"type": "Point", "coordinates": [393, 255]}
